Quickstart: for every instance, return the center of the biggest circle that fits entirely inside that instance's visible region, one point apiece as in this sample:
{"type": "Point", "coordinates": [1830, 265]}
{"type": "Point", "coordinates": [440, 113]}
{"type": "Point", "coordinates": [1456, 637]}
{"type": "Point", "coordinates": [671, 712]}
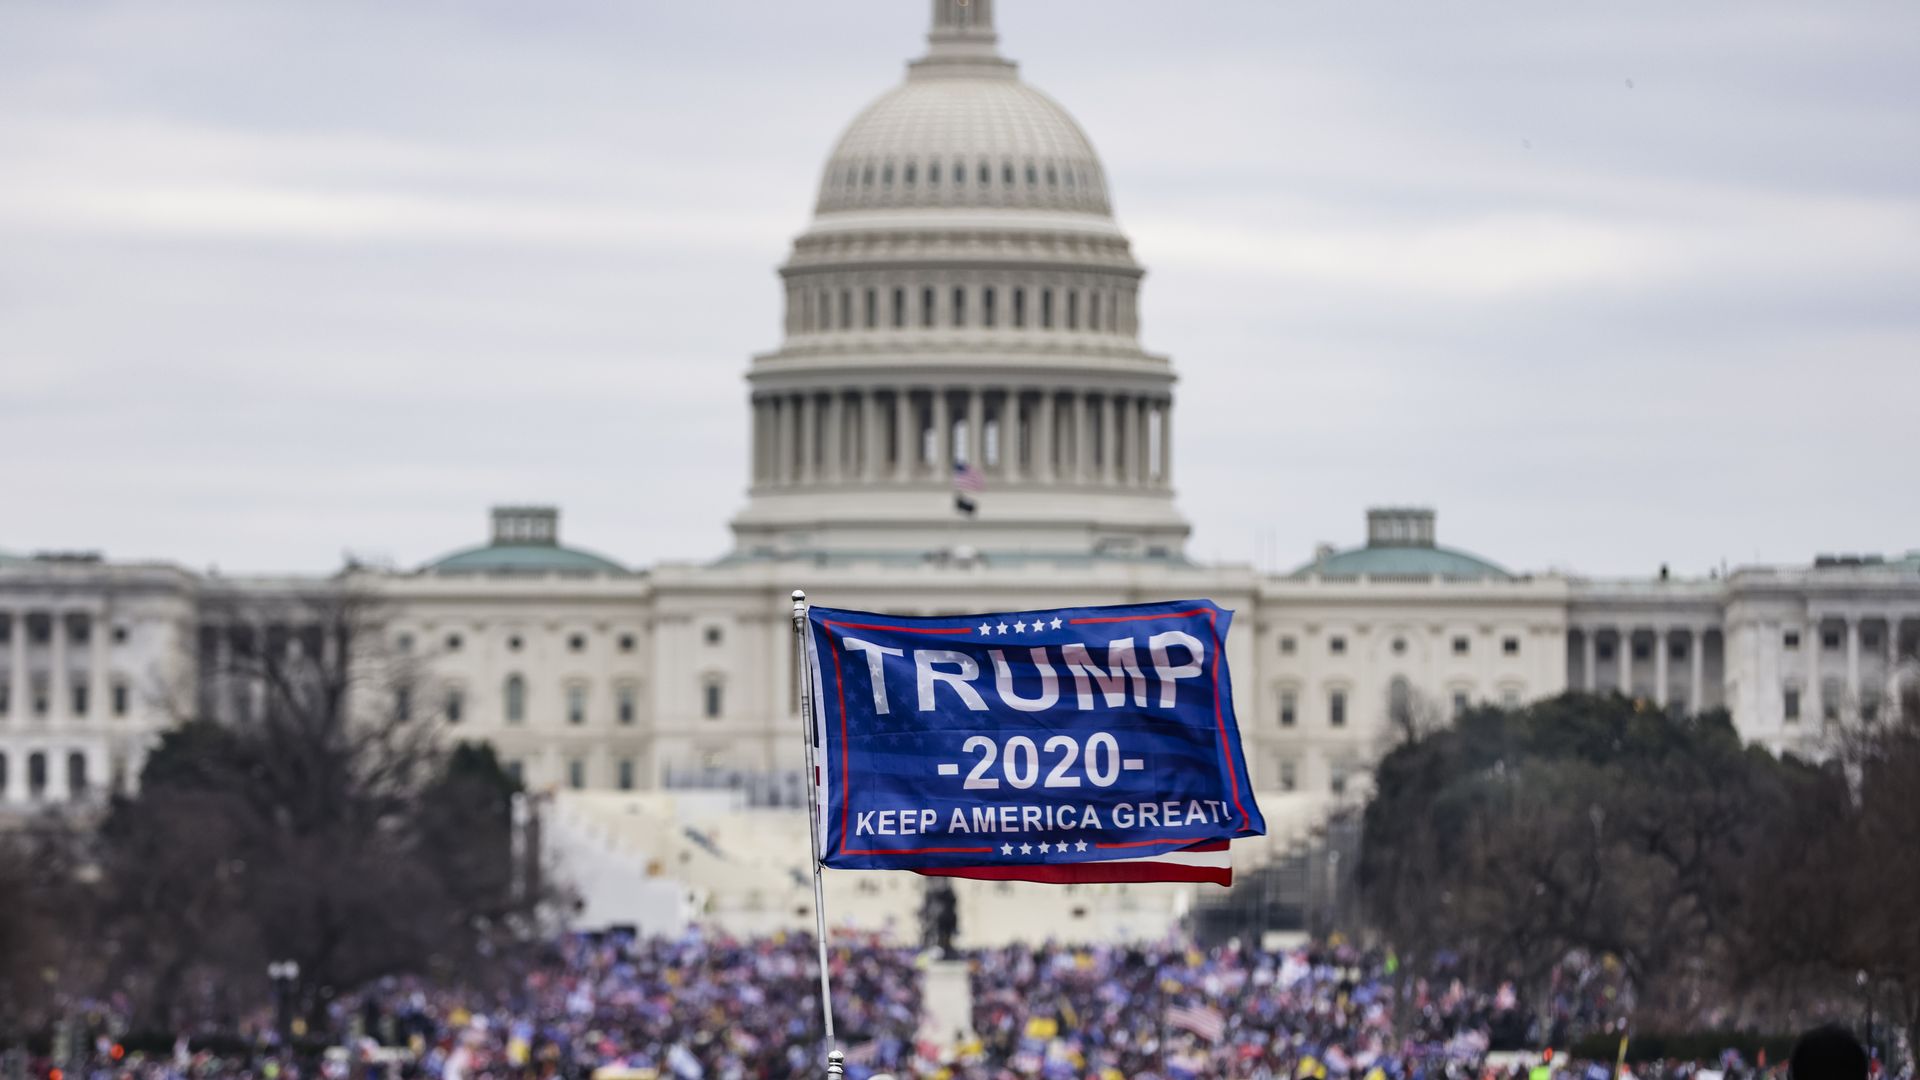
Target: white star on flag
{"type": "Point", "coordinates": [1056, 622]}
{"type": "Point", "coordinates": [1007, 849]}
{"type": "Point", "coordinates": [1043, 849]}
{"type": "Point", "coordinates": [1020, 627]}
{"type": "Point", "coordinates": [1026, 849]}
{"type": "Point", "coordinates": [1003, 628]}
{"type": "Point", "coordinates": [986, 628]}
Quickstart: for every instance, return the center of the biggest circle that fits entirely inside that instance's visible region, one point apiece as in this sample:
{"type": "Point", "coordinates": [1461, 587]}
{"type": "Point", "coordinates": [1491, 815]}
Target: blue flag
{"type": "Point", "coordinates": [1026, 743]}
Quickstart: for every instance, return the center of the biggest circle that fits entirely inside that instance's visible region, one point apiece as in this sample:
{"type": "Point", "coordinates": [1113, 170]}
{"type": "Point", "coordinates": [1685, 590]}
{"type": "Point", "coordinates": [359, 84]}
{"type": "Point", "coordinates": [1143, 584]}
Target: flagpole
{"type": "Point", "coordinates": [834, 1057]}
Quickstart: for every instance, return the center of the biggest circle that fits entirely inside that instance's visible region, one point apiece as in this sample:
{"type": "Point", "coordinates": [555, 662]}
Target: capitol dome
{"type": "Point", "coordinates": [962, 311]}
{"type": "Point", "coordinates": [961, 137]}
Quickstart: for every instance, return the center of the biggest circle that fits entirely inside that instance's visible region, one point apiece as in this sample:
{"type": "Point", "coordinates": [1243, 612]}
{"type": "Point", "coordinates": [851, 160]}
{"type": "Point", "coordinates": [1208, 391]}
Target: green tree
{"type": "Point", "coordinates": [1592, 823]}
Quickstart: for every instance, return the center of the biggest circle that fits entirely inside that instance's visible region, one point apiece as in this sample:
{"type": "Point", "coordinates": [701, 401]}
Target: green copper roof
{"type": "Point", "coordinates": [1411, 561]}
{"type": "Point", "coordinates": [524, 559]}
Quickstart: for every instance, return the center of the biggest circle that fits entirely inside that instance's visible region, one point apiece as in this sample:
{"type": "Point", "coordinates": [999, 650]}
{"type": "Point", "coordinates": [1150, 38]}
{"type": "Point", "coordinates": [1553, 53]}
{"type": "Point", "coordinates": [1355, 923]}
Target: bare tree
{"type": "Point", "coordinates": [306, 811]}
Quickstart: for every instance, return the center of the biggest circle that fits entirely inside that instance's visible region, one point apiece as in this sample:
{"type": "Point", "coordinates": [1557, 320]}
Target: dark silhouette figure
{"type": "Point", "coordinates": [939, 917]}
{"type": "Point", "coordinates": [1829, 1052]}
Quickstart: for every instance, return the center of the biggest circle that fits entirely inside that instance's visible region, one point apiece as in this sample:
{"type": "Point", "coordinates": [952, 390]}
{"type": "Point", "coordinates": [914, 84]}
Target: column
{"type": "Point", "coordinates": [1109, 446]}
{"type": "Point", "coordinates": [1590, 677]}
{"type": "Point", "coordinates": [1623, 659]}
{"type": "Point", "coordinates": [1891, 694]}
{"type": "Point", "coordinates": [872, 442]}
{"type": "Point", "coordinates": [57, 701]}
{"type": "Point", "coordinates": [1166, 442]}
{"type": "Point", "coordinates": [1853, 664]}
{"type": "Point", "coordinates": [836, 436]}
{"type": "Point", "coordinates": [99, 769]}
{"type": "Point", "coordinates": [98, 705]}
{"type": "Point", "coordinates": [976, 423]}
{"type": "Point", "coordinates": [1013, 431]}
{"type": "Point", "coordinates": [808, 441]}
{"type": "Point", "coordinates": [906, 452]}
{"type": "Point", "coordinates": [1696, 676]}
{"type": "Point", "coordinates": [942, 463]}
{"type": "Point", "coordinates": [1143, 444]}
{"type": "Point", "coordinates": [780, 458]}
{"type": "Point", "coordinates": [1813, 709]}
{"type": "Point", "coordinates": [22, 686]}
{"type": "Point", "coordinates": [1661, 643]}
{"type": "Point", "coordinates": [16, 794]}
{"type": "Point", "coordinates": [1043, 457]}
{"type": "Point", "coordinates": [57, 774]}
{"type": "Point", "coordinates": [1083, 440]}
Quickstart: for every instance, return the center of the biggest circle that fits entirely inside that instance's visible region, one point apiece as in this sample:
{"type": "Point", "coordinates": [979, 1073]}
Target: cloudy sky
{"type": "Point", "coordinates": [1610, 284]}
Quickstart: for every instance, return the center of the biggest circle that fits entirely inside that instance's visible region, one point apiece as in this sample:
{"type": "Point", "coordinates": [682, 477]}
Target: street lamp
{"type": "Point", "coordinates": [283, 974]}
{"type": "Point", "coordinates": [1860, 980]}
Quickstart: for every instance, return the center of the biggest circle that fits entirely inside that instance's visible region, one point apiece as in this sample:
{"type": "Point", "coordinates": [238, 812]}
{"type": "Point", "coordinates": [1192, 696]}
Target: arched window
{"type": "Point", "coordinates": [76, 775]}
{"type": "Point", "coordinates": [1093, 311]}
{"type": "Point", "coordinates": [926, 308]}
{"type": "Point", "coordinates": [1019, 308]}
{"type": "Point", "coordinates": [1046, 309]}
{"type": "Point", "coordinates": [1073, 310]}
{"type": "Point", "coordinates": [986, 307]}
{"type": "Point", "coordinates": [846, 309]}
{"type": "Point", "coordinates": [36, 774]}
{"type": "Point", "coordinates": [886, 174]}
{"type": "Point", "coordinates": [959, 306]}
{"type": "Point", "coordinates": [1033, 175]}
{"type": "Point", "coordinates": [713, 699]}
{"type": "Point", "coordinates": [456, 704]}
{"type": "Point", "coordinates": [912, 174]}
{"type": "Point", "coordinates": [1400, 703]}
{"type": "Point", "coordinates": [1006, 173]}
{"type": "Point", "coordinates": [899, 308]}
{"type": "Point", "coordinates": [825, 321]}
{"type": "Point", "coordinates": [873, 308]}
{"type": "Point", "coordinates": [933, 174]}
{"type": "Point", "coordinates": [959, 174]}
{"type": "Point", "coordinates": [577, 703]}
{"type": "Point", "coordinates": [516, 699]}
{"type": "Point", "coordinates": [986, 174]}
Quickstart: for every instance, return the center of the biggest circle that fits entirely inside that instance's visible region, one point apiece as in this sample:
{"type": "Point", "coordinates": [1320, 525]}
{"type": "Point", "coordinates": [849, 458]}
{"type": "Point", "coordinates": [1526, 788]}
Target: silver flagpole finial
{"type": "Point", "coordinates": [835, 1066]}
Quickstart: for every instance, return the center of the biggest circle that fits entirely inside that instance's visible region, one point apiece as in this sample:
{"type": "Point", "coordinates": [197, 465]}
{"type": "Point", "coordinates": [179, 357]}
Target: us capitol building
{"type": "Point", "coordinates": [963, 294]}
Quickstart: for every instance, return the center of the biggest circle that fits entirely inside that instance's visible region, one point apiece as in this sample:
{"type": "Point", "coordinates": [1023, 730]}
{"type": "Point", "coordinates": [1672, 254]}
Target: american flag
{"type": "Point", "coordinates": [1203, 1020]}
{"type": "Point", "coordinates": [968, 478]}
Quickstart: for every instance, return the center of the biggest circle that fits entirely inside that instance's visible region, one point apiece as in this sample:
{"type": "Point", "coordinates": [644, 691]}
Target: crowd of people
{"type": "Point", "coordinates": [702, 1007]}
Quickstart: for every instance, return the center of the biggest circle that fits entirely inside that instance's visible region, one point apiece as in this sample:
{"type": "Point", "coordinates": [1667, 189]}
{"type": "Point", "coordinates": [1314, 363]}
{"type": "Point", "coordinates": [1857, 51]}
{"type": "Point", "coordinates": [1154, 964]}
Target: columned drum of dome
{"type": "Point", "coordinates": [963, 295]}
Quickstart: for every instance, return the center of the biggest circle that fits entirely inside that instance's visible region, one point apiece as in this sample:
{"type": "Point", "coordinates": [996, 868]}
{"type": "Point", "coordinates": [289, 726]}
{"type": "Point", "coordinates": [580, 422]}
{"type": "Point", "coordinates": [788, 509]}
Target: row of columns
{"type": "Point", "coordinates": [46, 690]}
{"type": "Point", "coordinates": [1043, 436]}
{"type": "Point", "coordinates": [941, 307]}
{"type": "Point", "coordinates": [50, 774]}
{"type": "Point", "coordinates": [1695, 637]}
{"type": "Point", "coordinates": [1813, 645]}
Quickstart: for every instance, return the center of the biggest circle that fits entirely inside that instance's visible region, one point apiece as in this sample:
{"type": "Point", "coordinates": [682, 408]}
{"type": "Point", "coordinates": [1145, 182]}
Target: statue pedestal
{"type": "Point", "coordinates": [946, 1003]}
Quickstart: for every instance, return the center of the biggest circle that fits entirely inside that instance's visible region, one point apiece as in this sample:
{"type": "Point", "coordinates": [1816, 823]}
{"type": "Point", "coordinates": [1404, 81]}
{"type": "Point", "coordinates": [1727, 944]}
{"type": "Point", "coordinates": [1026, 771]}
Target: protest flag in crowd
{"type": "Point", "coordinates": [1056, 745]}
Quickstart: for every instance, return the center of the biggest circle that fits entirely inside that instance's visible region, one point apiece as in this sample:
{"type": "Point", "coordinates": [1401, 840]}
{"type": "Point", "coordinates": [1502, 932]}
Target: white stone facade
{"type": "Point", "coordinates": [960, 192]}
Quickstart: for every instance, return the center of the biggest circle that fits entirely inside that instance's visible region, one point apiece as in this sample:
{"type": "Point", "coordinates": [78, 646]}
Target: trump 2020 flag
{"type": "Point", "coordinates": [1063, 744]}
